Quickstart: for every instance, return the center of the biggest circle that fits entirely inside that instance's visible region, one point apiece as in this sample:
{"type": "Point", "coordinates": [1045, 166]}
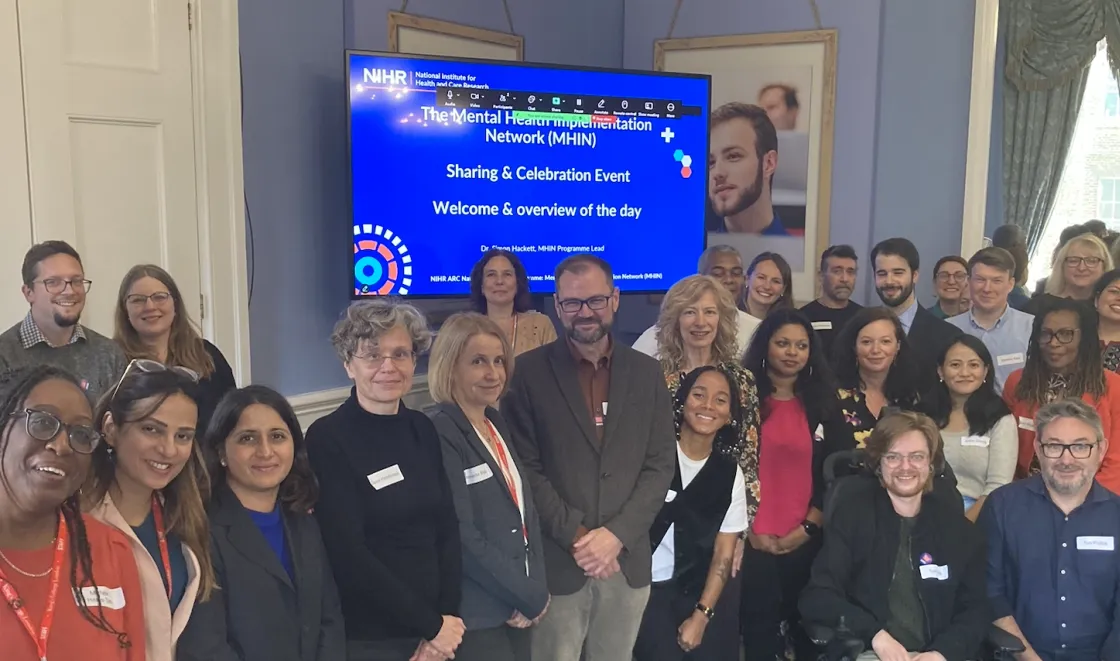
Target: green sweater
{"type": "Point", "coordinates": [96, 361]}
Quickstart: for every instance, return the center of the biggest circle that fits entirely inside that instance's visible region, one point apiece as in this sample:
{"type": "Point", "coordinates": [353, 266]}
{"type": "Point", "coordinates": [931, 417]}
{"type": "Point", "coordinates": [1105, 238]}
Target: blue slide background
{"type": "Point", "coordinates": [400, 167]}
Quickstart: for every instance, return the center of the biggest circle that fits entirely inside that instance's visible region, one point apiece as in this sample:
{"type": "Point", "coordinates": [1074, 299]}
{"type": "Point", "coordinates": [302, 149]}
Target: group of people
{"type": "Point", "coordinates": [570, 497]}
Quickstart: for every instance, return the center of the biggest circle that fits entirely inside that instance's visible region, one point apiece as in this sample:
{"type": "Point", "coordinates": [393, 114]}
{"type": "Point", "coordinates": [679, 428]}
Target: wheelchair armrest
{"type": "Point", "coordinates": [818, 633]}
{"type": "Point", "coordinates": [1004, 641]}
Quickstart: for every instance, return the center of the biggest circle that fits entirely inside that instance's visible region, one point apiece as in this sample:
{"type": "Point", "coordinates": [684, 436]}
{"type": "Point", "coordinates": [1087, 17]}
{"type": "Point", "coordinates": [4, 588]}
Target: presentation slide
{"type": "Point", "coordinates": [450, 158]}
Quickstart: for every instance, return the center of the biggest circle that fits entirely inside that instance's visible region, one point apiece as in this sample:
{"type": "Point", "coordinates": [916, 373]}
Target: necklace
{"type": "Point", "coordinates": [20, 571]}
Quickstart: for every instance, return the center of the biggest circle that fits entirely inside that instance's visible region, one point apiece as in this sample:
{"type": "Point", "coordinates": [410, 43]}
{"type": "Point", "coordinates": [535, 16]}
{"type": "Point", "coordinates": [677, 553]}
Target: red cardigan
{"type": "Point", "coordinates": [1108, 407]}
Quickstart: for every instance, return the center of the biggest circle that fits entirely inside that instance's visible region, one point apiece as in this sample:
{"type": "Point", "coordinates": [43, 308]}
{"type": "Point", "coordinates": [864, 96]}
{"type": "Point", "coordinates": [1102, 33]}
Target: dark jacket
{"type": "Point", "coordinates": [852, 575]}
{"type": "Point", "coordinates": [928, 337]}
{"type": "Point", "coordinates": [495, 580]}
{"type": "Point", "coordinates": [618, 482]}
{"type": "Point", "coordinates": [259, 613]}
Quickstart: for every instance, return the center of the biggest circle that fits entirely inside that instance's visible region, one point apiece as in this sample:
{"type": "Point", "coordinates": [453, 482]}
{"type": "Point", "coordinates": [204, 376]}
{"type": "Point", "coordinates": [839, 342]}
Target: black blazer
{"type": "Point", "coordinates": [495, 581]}
{"type": "Point", "coordinates": [927, 338]}
{"type": "Point", "coordinates": [259, 613]}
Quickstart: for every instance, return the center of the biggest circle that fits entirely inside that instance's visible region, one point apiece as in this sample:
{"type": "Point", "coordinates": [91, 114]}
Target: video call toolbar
{"type": "Point", "coordinates": [552, 102]}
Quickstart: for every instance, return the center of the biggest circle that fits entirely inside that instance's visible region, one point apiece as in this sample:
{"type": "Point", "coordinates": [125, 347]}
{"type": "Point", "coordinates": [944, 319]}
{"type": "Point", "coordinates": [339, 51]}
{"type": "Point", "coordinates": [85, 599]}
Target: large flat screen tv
{"type": "Point", "coordinates": [450, 158]}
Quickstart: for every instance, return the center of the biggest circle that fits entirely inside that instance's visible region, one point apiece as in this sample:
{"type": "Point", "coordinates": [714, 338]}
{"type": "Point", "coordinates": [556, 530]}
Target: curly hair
{"type": "Point", "coordinates": [815, 386]}
{"type": "Point", "coordinates": [367, 321]}
{"type": "Point", "coordinates": [901, 386]}
{"type": "Point", "coordinates": [685, 293]}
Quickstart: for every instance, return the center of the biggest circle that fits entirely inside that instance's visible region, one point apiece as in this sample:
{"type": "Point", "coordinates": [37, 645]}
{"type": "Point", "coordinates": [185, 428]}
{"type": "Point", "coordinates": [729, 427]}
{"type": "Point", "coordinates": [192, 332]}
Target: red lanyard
{"type": "Point", "coordinates": [161, 535]}
{"type": "Point", "coordinates": [41, 635]}
{"type": "Point", "coordinates": [503, 462]}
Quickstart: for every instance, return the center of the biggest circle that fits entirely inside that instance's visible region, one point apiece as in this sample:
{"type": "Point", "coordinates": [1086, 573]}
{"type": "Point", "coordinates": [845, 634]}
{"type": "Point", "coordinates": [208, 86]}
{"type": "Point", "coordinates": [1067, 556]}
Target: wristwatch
{"type": "Point", "coordinates": [810, 528]}
{"type": "Point", "coordinates": [708, 612]}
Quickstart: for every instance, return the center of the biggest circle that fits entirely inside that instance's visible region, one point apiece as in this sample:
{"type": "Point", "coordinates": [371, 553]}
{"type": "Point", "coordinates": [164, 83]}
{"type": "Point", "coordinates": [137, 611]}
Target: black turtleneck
{"type": "Point", "coordinates": [394, 549]}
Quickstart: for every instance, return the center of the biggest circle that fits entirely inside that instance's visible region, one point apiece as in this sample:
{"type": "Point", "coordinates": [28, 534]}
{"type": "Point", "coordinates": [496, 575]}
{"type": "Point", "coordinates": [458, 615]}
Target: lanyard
{"type": "Point", "coordinates": [503, 463]}
{"type": "Point", "coordinates": [161, 535]}
{"type": "Point", "coordinates": [40, 635]}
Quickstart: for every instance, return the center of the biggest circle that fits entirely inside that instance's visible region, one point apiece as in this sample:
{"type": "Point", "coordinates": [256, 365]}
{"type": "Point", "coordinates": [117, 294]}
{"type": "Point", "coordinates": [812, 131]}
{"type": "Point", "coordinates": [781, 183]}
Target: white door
{"type": "Point", "coordinates": [110, 139]}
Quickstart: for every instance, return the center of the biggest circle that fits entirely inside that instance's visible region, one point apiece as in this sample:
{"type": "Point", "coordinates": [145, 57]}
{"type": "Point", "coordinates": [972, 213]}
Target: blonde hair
{"type": "Point", "coordinates": [670, 344]}
{"type": "Point", "coordinates": [450, 342]}
{"type": "Point", "coordinates": [1056, 283]}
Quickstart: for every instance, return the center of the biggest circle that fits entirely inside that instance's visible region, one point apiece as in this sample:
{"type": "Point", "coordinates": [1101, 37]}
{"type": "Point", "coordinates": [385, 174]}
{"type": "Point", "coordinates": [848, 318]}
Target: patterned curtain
{"type": "Point", "coordinates": [1050, 45]}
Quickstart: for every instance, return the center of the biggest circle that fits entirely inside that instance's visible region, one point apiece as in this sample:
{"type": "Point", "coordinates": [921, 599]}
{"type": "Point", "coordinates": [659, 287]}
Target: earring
{"type": "Point", "coordinates": [222, 462]}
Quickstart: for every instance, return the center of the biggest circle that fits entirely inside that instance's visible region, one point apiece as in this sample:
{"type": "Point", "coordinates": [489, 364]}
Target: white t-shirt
{"type": "Point", "coordinates": [734, 521]}
{"type": "Point", "coordinates": [746, 325]}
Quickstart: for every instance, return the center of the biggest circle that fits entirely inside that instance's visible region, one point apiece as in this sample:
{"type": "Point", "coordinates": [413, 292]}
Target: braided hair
{"type": "Point", "coordinates": [15, 386]}
{"type": "Point", "coordinates": [1087, 375]}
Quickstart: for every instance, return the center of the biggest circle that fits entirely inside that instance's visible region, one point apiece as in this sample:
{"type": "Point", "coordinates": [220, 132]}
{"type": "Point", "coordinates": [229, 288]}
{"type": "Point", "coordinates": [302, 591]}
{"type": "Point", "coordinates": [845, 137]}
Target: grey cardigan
{"type": "Point", "coordinates": [495, 582]}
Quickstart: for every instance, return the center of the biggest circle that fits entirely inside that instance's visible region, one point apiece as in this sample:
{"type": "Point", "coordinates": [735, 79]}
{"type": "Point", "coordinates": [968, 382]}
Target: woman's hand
{"type": "Point", "coordinates": [450, 636]}
{"type": "Point", "coordinates": [691, 632]}
{"type": "Point", "coordinates": [519, 621]}
{"type": "Point", "coordinates": [764, 543]}
{"type": "Point", "coordinates": [793, 540]}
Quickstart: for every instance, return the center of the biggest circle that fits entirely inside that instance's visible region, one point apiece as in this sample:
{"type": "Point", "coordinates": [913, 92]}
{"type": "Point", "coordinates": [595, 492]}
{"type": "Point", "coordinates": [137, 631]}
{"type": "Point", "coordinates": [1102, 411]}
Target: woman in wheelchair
{"type": "Point", "coordinates": [977, 429]}
{"type": "Point", "coordinates": [901, 572]}
{"type": "Point", "coordinates": [875, 369]}
{"type": "Point", "coordinates": [695, 533]}
{"type": "Point", "coordinates": [798, 406]}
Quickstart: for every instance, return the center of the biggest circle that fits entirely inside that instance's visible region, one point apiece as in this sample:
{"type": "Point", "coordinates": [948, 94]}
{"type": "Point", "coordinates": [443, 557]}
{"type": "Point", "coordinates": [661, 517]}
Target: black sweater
{"type": "Point", "coordinates": [394, 549]}
{"type": "Point", "coordinates": [851, 577]}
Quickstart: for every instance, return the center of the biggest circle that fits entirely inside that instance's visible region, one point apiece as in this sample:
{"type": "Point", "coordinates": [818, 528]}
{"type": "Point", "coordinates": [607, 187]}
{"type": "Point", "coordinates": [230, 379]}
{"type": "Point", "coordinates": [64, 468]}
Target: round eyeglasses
{"type": "Point", "coordinates": [44, 426]}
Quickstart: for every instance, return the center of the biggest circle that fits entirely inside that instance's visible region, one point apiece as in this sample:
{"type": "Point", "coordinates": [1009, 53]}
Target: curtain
{"type": "Point", "coordinates": [1050, 45]}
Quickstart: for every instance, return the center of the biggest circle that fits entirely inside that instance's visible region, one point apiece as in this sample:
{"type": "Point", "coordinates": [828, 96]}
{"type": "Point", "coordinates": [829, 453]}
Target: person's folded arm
{"type": "Point", "coordinates": [338, 511]}
{"type": "Point", "coordinates": [559, 520]}
{"type": "Point", "coordinates": [494, 571]}
{"type": "Point", "coordinates": [825, 600]}
{"type": "Point", "coordinates": [972, 616]}
{"type": "Point", "coordinates": [633, 520]}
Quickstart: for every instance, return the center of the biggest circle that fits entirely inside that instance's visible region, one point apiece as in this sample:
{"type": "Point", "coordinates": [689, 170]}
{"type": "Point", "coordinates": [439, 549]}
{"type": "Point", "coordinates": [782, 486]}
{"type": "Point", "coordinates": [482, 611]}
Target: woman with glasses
{"type": "Point", "coordinates": [1078, 265]}
{"type": "Point", "coordinates": [950, 277]}
{"type": "Point", "coordinates": [500, 290]}
{"type": "Point", "coordinates": [149, 482]}
{"type": "Point", "coordinates": [385, 506]}
{"type": "Point", "coordinates": [1106, 298]}
{"type": "Point", "coordinates": [55, 562]}
{"type": "Point", "coordinates": [977, 429]}
{"type": "Point", "coordinates": [504, 586]}
{"type": "Point", "coordinates": [769, 285]}
{"type": "Point", "coordinates": [1064, 362]}
{"type": "Point", "coordinates": [152, 323]}
{"type": "Point", "coordinates": [278, 600]}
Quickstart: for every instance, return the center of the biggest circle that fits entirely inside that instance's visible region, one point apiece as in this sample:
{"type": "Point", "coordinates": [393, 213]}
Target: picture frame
{"type": "Point", "coordinates": [792, 77]}
{"type": "Point", "coordinates": [420, 35]}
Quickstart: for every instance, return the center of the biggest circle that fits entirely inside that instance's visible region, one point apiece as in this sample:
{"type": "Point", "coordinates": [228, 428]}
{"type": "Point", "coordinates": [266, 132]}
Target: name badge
{"type": "Point", "coordinates": [1026, 423]}
{"type": "Point", "coordinates": [1011, 359]}
{"type": "Point", "coordinates": [939, 572]}
{"type": "Point", "coordinates": [1096, 544]}
{"type": "Point", "coordinates": [670, 496]}
{"type": "Point", "coordinates": [822, 325]}
{"type": "Point", "coordinates": [385, 477]}
{"type": "Point", "coordinates": [111, 598]}
{"type": "Point", "coordinates": [976, 441]}
{"type": "Point", "coordinates": [477, 474]}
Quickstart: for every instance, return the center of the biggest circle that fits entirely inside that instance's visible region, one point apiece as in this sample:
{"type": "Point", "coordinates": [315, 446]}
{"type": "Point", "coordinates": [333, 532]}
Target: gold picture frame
{"type": "Point", "coordinates": [419, 35]}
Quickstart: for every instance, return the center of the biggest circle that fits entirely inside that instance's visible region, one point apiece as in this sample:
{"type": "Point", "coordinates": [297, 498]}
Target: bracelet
{"type": "Point", "coordinates": [707, 612]}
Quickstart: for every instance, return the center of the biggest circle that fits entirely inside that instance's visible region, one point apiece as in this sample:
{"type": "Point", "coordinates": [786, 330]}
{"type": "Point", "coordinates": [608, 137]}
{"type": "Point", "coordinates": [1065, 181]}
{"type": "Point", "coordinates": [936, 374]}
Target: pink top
{"type": "Point", "coordinates": [785, 468]}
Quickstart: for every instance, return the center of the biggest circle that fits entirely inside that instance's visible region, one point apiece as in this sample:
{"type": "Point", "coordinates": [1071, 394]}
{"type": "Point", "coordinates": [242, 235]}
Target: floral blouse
{"type": "Point", "coordinates": [745, 449]}
{"type": "Point", "coordinates": [857, 418]}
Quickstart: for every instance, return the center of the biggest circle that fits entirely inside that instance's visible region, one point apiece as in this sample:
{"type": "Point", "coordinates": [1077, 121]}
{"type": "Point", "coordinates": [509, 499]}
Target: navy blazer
{"type": "Point", "coordinates": [259, 613]}
{"type": "Point", "coordinates": [495, 582]}
{"type": "Point", "coordinates": [928, 337]}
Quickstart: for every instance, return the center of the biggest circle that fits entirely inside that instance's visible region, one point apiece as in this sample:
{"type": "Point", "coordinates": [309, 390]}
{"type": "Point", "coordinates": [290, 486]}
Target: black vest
{"type": "Point", "coordinates": [697, 513]}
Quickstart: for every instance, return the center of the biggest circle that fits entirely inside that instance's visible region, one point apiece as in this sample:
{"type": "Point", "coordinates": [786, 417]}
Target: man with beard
{"type": "Point", "coordinates": [592, 422]}
{"type": "Point", "coordinates": [902, 568]}
{"type": "Point", "coordinates": [834, 307]}
{"type": "Point", "coordinates": [896, 272]}
{"type": "Point", "coordinates": [1053, 562]}
{"type": "Point", "coordinates": [742, 159]}
{"type": "Point", "coordinates": [725, 264]}
{"type": "Point", "coordinates": [55, 285]}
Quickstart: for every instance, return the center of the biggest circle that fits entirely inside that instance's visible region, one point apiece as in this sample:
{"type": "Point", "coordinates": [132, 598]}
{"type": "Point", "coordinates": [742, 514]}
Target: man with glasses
{"type": "Point", "coordinates": [950, 280]}
{"type": "Point", "coordinates": [592, 422]}
{"type": "Point", "coordinates": [1053, 562]}
{"type": "Point", "coordinates": [1003, 329]}
{"type": "Point", "coordinates": [902, 568]}
{"type": "Point", "coordinates": [55, 286]}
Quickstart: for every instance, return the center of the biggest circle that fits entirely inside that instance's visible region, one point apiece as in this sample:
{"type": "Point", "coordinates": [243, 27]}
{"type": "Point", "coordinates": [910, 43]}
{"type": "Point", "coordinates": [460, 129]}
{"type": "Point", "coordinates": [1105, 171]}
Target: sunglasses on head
{"type": "Point", "coordinates": [149, 366]}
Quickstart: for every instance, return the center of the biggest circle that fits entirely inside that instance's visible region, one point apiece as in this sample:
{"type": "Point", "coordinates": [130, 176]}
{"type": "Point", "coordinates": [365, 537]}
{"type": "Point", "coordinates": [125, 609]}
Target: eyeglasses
{"type": "Point", "coordinates": [140, 300]}
{"type": "Point", "coordinates": [1076, 450]}
{"type": "Point", "coordinates": [1064, 336]}
{"type": "Point", "coordinates": [894, 459]}
{"type": "Point", "coordinates": [958, 277]}
{"type": "Point", "coordinates": [148, 366]}
{"type": "Point", "coordinates": [399, 357]}
{"type": "Point", "coordinates": [58, 285]}
{"type": "Point", "coordinates": [43, 426]}
{"type": "Point", "coordinates": [574, 305]}
{"type": "Point", "coordinates": [1091, 262]}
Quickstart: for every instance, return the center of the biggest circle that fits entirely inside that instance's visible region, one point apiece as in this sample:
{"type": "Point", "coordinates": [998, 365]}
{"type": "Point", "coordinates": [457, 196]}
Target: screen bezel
{"type": "Point", "coordinates": [351, 52]}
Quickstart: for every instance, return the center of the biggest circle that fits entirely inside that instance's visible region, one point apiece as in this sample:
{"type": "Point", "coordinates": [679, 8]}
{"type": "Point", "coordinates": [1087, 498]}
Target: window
{"type": "Point", "coordinates": [1108, 207]}
{"type": "Point", "coordinates": [1112, 103]}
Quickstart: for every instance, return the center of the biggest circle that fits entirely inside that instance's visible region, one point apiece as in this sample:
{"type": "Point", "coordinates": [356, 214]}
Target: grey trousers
{"type": "Point", "coordinates": [599, 622]}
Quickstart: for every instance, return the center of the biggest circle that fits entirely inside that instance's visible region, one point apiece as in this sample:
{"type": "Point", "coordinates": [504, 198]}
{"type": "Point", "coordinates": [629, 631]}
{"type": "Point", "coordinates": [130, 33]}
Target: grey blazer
{"type": "Point", "coordinates": [495, 583]}
{"type": "Point", "coordinates": [619, 482]}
